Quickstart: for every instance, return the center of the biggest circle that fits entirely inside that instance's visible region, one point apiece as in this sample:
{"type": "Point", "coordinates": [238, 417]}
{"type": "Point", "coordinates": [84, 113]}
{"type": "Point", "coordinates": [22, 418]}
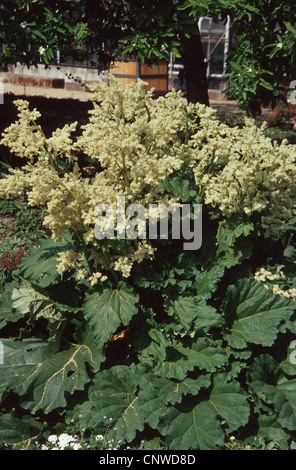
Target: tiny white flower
{"type": "Point", "coordinates": [76, 446]}
{"type": "Point", "coordinates": [41, 50]}
{"type": "Point", "coordinates": [52, 438]}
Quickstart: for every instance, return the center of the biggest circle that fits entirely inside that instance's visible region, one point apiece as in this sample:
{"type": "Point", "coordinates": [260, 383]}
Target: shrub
{"type": "Point", "coordinates": [183, 347]}
{"type": "Point", "coordinates": [284, 112]}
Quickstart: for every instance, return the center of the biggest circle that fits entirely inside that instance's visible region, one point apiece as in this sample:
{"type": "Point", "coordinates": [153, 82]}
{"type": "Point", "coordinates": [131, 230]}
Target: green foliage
{"type": "Point", "coordinates": [282, 114]}
{"type": "Point", "coordinates": [261, 57]}
{"type": "Point", "coordinates": [33, 30]}
{"type": "Point", "coordinates": [20, 227]}
{"type": "Point", "coordinates": [194, 367]}
{"type": "Point", "coordinates": [192, 348]}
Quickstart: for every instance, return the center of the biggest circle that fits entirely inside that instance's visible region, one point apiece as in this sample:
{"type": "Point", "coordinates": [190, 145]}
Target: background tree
{"type": "Point", "coordinates": [263, 53]}
{"type": "Point", "coordinates": [161, 28]}
{"type": "Point", "coordinates": [261, 58]}
{"type": "Point", "coordinates": [31, 30]}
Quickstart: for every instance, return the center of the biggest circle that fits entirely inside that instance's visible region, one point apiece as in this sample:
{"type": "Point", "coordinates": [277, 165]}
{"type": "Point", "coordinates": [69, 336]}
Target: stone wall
{"type": "Point", "coordinates": [67, 77]}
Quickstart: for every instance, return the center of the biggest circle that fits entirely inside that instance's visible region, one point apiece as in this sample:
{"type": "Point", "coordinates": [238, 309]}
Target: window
{"type": "Point", "coordinates": [215, 43]}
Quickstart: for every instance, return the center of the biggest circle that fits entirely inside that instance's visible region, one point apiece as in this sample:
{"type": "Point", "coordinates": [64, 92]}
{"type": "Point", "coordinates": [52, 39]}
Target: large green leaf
{"type": "Point", "coordinates": [151, 404]}
{"type": "Point", "coordinates": [197, 426]}
{"type": "Point", "coordinates": [189, 428]}
{"type": "Point", "coordinates": [271, 431]}
{"type": "Point", "coordinates": [203, 354]}
{"type": "Point", "coordinates": [272, 388]}
{"type": "Point", "coordinates": [179, 189]}
{"type": "Point", "coordinates": [207, 281]}
{"type": "Point", "coordinates": [156, 393]}
{"type": "Point", "coordinates": [18, 433]}
{"type": "Point", "coordinates": [264, 374]}
{"type": "Point", "coordinates": [173, 392]}
{"type": "Point", "coordinates": [283, 398]}
{"type": "Point", "coordinates": [193, 313]}
{"type": "Point", "coordinates": [42, 378]}
{"type": "Point", "coordinates": [28, 301]}
{"type": "Point", "coordinates": [233, 244]}
{"type": "Point", "coordinates": [7, 313]}
{"type": "Point", "coordinates": [40, 267]}
{"type": "Point", "coordinates": [255, 313]}
{"type": "Point", "coordinates": [231, 402]}
{"type": "Point", "coordinates": [114, 395]}
{"type": "Point", "coordinates": [106, 311]}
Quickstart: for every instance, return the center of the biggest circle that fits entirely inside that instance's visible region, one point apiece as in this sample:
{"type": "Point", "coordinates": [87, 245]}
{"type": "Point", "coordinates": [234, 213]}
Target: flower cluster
{"type": "Point", "coordinates": [66, 441]}
{"type": "Point", "coordinates": [276, 280]}
{"type": "Point", "coordinates": [75, 437]}
{"type": "Point", "coordinates": [137, 144]}
{"type": "Point", "coordinates": [243, 172]}
{"type": "Point", "coordinates": [134, 145]}
{"type": "Point", "coordinates": [24, 137]}
{"type": "Point", "coordinates": [62, 442]}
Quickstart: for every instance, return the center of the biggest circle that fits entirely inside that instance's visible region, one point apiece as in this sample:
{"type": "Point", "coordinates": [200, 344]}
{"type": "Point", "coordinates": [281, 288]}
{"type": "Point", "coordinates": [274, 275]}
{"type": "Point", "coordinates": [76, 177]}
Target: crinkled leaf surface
{"type": "Point", "coordinates": [151, 404]}
{"type": "Point", "coordinates": [40, 267]}
{"type": "Point", "coordinates": [179, 189]}
{"type": "Point", "coordinates": [283, 397]}
{"type": "Point", "coordinates": [273, 388]}
{"type": "Point", "coordinates": [108, 310]}
{"type": "Point", "coordinates": [18, 433]}
{"type": "Point", "coordinates": [230, 402]}
{"type": "Point", "coordinates": [191, 312]}
{"type": "Point", "coordinates": [203, 353]}
{"type": "Point", "coordinates": [41, 377]}
{"type": "Point", "coordinates": [27, 300]}
{"type": "Point", "coordinates": [198, 427]}
{"type": "Point", "coordinates": [255, 313]}
{"type": "Point", "coordinates": [156, 393]}
{"type": "Point", "coordinates": [7, 314]}
{"type": "Point", "coordinates": [114, 395]}
{"type": "Point", "coordinates": [232, 243]}
{"type": "Point", "coordinates": [271, 431]}
{"type": "Point", "coordinates": [207, 281]}
{"type": "Point", "coordinates": [173, 392]}
{"type": "Point", "coordinates": [195, 428]}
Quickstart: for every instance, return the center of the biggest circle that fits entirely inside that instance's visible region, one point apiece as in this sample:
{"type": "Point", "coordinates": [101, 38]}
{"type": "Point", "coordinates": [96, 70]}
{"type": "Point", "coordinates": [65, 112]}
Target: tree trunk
{"type": "Point", "coordinates": [194, 71]}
